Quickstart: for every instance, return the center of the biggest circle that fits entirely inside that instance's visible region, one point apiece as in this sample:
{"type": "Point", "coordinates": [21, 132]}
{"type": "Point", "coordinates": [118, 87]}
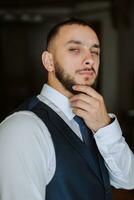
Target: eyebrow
{"type": "Point", "coordinates": [81, 43]}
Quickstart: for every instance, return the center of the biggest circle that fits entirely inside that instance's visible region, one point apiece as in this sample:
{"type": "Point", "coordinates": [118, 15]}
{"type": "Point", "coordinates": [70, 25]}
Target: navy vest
{"type": "Point", "coordinates": [76, 177]}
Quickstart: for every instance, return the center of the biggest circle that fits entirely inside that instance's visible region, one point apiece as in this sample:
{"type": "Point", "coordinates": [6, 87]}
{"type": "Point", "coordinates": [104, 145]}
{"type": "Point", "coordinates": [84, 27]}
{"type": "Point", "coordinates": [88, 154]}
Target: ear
{"type": "Point", "coordinates": [47, 61]}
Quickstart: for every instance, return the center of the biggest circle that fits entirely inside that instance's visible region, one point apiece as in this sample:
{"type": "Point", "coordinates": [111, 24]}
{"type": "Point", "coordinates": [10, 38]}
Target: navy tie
{"type": "Point", "coordinates": [88, 138]}
{"type": "Point", "coordinates": [87, 134]}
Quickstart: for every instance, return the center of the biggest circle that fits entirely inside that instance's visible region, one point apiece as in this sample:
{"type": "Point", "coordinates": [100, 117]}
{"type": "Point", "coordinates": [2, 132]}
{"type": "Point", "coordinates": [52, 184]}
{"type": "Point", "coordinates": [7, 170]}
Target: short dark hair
{"type": "Point", "coordinates": [53, 32]}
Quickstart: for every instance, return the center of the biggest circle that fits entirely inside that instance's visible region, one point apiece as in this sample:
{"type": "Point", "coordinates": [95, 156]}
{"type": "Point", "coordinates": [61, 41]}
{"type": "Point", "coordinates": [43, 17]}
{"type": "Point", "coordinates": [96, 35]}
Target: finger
{"type": "Point", "coordinates": [87, 90]}
{"type": "Point", "coordinates": [89, 101]}
{"type": "Point", "coordinates": [82, 97]}
{"type": "Point", "coordinates": [81, 113]}
{"type": "Point", "coordinates": [81, 105]}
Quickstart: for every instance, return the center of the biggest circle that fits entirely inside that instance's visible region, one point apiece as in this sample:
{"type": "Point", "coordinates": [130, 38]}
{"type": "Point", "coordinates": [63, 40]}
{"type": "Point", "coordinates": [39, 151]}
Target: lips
{"type": "Point", "coordinates": [86, 72]}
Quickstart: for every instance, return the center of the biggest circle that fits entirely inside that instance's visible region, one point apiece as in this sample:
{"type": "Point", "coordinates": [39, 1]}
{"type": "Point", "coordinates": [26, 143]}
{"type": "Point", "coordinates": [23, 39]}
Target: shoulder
{"type": "Point", "coordinates": [22, 120]}
{"type": "Point", "coordinates": [25, 146]}
{"type": "Point", "coordinates": [25, 129]}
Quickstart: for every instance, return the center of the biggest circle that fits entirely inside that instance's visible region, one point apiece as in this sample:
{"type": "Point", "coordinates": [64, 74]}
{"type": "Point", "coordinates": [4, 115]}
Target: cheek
{"type": "Point", "coordinates": [96, 65]}
{"type": "Point", "coordinates": [68, 63]}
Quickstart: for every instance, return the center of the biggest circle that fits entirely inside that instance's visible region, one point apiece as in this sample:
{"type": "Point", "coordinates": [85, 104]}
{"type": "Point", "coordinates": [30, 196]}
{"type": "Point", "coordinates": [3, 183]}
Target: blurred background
{"type": "Point", "coordinates": [23, 28]}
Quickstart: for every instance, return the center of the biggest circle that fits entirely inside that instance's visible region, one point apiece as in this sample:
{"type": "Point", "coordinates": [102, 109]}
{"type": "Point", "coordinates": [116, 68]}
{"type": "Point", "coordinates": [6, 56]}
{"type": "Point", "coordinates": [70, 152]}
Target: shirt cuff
{"type": "Point", "coordinates": [110, 133]}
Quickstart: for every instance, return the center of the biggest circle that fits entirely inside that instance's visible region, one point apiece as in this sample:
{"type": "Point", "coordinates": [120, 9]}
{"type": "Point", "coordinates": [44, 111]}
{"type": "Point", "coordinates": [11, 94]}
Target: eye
{"type": "Point", "coordinates": [75, 50]}
{"type": "Point", "coordinates": [95, 53]}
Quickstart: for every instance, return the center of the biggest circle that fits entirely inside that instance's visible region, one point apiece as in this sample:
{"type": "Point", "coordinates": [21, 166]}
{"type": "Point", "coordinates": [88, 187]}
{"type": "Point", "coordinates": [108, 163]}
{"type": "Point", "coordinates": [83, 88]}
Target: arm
{"type": "Point", "coordinates": [24, 159]}
{"type": "Point", "coordinates": [119, 159]}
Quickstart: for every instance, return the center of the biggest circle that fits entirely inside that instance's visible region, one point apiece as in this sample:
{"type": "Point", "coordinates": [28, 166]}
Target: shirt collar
{"type": "Point", "coordinates": [58, 99]}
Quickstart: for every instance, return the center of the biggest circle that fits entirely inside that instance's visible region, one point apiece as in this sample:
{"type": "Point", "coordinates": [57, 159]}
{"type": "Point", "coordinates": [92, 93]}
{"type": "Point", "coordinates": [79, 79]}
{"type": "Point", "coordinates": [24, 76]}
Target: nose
{"type": "Point", "coordinates": [88, 61]}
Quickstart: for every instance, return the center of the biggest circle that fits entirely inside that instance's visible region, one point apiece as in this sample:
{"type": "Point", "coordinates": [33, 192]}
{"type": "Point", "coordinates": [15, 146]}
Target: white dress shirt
{"type": "Point", "coordinates": [27, 155]}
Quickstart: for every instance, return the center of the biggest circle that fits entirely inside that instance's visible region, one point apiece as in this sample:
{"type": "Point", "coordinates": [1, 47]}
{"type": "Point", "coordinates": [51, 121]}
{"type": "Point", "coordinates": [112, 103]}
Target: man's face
{"type": "Point", "coordinates": [76, 56]}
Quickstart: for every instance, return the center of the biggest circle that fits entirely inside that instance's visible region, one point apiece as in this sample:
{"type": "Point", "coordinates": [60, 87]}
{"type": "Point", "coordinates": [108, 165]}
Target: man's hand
{"type": "Point", "coordinates": [89, 105]}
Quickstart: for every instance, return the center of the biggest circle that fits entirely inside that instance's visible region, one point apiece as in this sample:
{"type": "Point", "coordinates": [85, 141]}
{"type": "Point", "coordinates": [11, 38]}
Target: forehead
{"type": "Point", "coordinates": [84, 34]}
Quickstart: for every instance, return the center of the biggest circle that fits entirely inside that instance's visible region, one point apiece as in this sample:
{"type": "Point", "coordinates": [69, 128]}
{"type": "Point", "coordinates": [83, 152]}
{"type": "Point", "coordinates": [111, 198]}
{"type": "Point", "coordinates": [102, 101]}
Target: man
{"type": "Point", "coordinates": [42, 150]}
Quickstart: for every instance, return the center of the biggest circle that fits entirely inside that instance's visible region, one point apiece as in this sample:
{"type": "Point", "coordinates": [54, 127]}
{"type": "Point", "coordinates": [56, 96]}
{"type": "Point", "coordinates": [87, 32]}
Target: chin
{"type": "Point", "coordinates": [87, 83]}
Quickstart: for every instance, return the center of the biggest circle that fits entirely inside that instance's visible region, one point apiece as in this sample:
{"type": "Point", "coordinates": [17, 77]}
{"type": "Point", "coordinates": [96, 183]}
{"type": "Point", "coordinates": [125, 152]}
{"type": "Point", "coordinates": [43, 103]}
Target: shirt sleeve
{"type": "Point", "coordinates": [25, 156]}
{"type": "Point", "coordinates": [117, 155]}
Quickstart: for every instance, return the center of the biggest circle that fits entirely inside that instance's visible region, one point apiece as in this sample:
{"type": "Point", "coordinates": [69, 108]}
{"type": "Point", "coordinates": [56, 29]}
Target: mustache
{"type": "Point", "coordinates": [86, 69]}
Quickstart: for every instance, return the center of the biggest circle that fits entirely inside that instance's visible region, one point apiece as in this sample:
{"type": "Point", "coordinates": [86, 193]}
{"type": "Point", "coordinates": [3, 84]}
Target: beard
{"type": "Point", "coordinates": [67, 80]}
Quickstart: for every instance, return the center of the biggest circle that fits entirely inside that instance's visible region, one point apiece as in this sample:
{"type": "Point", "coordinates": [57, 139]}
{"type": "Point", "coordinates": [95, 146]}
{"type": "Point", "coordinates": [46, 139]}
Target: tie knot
{"type": "Point", "coordinates": [79, 120]}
